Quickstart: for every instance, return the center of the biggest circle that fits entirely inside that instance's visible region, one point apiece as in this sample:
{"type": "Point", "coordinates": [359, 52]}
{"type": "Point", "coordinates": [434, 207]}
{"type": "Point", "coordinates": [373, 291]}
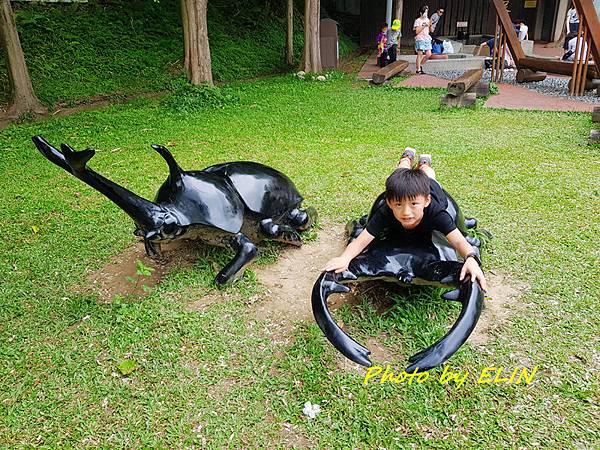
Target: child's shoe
{"type": "Point", "coordinates": [425, 160]}
{"type": "Point", "coordinates": [409, 153]}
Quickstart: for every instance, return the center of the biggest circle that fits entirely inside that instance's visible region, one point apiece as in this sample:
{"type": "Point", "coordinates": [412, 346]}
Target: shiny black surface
{"type": "Point", "coordinates": [424, 263]}
{"type": "Point", "coordinates": [263, 189]}
{"type": "Point", "coordinates": [228, 204]}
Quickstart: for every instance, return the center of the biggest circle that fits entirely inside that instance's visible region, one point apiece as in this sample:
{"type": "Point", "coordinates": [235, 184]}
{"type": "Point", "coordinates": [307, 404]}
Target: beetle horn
{"type": "Point", "coordinates": [143, 212]}
{"type": "Point", "coordinates": [174, 169]}
{"type": "Point", "coordinates": [328, 284]}
{"type": "Point", "coordinates": [471, 297]}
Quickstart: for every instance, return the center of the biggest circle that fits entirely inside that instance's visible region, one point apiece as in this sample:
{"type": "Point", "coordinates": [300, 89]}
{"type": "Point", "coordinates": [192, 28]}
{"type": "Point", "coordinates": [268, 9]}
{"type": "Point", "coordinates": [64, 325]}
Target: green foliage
{"type": "Point", "coordinates": [81, 52]}
{"type": "Point", "coordinates": [493, 89]}
{"type": "Point", "coordinates": [127, 366]}
{"type": "Point", "coordinates": [187, 98]}
{"type": "Point", "coordinates": [143, 270]}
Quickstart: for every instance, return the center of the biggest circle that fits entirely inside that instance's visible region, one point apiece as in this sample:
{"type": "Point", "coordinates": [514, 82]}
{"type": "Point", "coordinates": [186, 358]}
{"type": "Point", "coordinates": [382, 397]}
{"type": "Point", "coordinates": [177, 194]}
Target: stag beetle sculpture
{"type": "Point", "coordinates": [235, 204]}
{"type": "Point", "coordinates": [426, 263]}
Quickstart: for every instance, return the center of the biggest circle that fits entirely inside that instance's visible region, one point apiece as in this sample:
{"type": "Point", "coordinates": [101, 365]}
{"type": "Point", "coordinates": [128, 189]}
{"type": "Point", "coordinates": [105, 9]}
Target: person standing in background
{"type": "Point", "coordinates": [435, 18]}
{"type": "Point", "coordinates": [422, 38]}
{"type": "Point", "coordinates": [572, 21]}
{"type": "Point", "coordinates": [393, 37]}
{"type": "Point", "coordinates": [522, 30]}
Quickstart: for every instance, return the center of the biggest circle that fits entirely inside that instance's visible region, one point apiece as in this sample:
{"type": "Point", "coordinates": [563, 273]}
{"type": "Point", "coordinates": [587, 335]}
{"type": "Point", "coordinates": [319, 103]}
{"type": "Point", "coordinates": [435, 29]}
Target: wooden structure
{"type": "Point", "coordinates": [596, 114]}
{"type": "Point", "coordinates": [528, 75]}
{"type": "Point", "coordinates": [387, 72]}
{"type": "Point", "coordinates": [462, 84]}
{"type": "Point", "coordinates": [543, 17]}
{"type": "Point", "coordinates": [463, 91]}
{"type": "Point", "coordinates": [579, 69]}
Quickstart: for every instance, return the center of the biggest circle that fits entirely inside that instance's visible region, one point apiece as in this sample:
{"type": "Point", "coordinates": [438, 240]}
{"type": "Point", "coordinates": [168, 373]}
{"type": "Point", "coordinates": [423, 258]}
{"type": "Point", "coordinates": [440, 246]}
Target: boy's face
{"type": "Point", "coordinates": [384, 29]}
{"type": "Point", "coordinates": [409, 211]}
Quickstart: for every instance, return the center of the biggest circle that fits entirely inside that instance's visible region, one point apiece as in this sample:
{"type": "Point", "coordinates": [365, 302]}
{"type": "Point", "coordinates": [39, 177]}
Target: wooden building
{"type": "Point", "coordinates": [545, 18]}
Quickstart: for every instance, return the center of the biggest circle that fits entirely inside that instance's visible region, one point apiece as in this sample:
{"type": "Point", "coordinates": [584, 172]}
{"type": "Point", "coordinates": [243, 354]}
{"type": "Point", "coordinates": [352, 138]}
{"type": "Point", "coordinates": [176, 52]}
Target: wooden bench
{"type": "Point", "coordinates": [387, 72]}
{"type": "Point", "coordinates": [464, 90]}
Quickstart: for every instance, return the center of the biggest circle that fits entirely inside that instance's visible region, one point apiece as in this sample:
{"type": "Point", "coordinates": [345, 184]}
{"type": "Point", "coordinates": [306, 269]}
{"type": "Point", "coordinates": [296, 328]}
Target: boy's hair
{"type": "Point", "coordinates": [407, 183]}
{"type": "Point", "coordinates": [383, 25]}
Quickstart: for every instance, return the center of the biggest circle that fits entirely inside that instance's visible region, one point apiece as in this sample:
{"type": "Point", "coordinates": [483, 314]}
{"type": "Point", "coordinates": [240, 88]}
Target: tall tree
{"type": "Point", "coordinates": [23, 99]}
{"type": "Point", "coordinates": [289, 41]}
{"type": "Point", "coordinates": [311, 58]}
{"type": "Point", "coordinates": [197, 63]}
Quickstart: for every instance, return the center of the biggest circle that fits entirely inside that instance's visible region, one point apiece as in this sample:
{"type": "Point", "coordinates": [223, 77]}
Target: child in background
{"type": "Point", "coordinates": [422, 38]}
{"type": "Point", "coordinates": [393, 37]}
{"type": "Point", "coordinates": [382, 54]}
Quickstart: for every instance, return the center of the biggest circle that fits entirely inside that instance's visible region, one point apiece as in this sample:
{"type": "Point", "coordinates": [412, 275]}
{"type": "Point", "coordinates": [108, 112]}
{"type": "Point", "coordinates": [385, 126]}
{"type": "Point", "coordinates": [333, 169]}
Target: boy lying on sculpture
{"type": "Point", "coordinates": [415, 207]}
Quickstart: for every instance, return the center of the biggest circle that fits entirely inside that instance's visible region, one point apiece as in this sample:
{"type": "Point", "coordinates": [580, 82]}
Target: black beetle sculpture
{"type": "Point", "coordinates": [431, 263]}
{"type": "Point", "coordinates": [235, 204]}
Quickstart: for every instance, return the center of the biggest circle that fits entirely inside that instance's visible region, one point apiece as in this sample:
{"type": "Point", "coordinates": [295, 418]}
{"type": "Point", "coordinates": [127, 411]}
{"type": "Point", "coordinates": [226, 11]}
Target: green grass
{"type": "Point", "coordinates": [76, 53]}
{"type": "Point", "coordinates": [214, 378]}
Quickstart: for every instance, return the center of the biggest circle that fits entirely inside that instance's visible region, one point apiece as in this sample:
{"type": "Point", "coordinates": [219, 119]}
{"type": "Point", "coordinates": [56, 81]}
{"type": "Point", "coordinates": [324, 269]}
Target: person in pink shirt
{"type": "Point", "coordinates": [422, 27]}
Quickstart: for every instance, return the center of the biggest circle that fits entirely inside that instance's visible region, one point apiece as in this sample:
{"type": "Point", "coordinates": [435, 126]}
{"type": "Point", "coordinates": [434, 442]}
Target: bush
{"type": "Point", "coordinates": [185, 97]}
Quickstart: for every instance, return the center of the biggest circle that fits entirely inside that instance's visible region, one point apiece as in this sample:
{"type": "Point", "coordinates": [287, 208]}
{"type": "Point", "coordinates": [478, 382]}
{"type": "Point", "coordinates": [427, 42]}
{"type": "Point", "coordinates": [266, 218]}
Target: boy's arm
{"type": "Point", "coordinates": [340, 263]}
{"type": "Point", "coordinates": [471, 266]}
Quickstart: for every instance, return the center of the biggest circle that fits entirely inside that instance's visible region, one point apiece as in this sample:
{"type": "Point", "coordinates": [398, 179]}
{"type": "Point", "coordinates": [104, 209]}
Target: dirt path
{"type": "Point", "coordinates": [285, 300]}
{"type": "Point", "coordinates": [290, 280]}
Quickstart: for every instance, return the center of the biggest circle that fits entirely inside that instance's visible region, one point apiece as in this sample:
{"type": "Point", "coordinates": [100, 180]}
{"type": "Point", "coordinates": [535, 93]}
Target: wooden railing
{"type": "Point", "coordinates": [580, 69]}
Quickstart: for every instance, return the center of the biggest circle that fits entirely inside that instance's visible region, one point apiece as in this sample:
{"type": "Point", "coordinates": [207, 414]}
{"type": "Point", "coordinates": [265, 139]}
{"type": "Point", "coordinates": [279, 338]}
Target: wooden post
{"type": "Point", "coordinates": [596, 114]}
{"type": "Point", "coordinates": [481, 89]}
{"type": "Point", "coordinates": [575, 75]}
{"type": "Point", "coordinates": [463, 101]}
{"type": "Point", "coordinates": [462, 84]}
{"type": "Point", "coordinates": [398, 15]}
{"type": "Point", "coordinates": [527, 75]}
{"type": "Point", "coordinates": [387, 72]}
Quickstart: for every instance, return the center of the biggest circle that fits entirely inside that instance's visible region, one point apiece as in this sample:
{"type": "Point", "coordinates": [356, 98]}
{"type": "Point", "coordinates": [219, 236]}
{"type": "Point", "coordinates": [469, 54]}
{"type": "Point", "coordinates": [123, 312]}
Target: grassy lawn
{"type": "Point", "coordinates": [214, 378]}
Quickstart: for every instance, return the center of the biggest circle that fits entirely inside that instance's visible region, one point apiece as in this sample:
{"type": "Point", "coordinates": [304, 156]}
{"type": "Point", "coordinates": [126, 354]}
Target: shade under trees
{"type": "Point", "coordinates": [197, 62]}
{"type": "Point", "coordinates": [23, 99]}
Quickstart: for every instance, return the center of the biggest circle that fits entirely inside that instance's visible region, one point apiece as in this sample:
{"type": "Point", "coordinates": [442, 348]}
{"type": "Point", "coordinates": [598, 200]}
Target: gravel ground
{"type": "Point", "coordinates": [556, 86]}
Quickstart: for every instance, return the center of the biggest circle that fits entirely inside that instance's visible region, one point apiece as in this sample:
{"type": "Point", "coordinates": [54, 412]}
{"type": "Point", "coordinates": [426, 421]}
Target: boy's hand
{"type": "Point", "coordinates": [337, 264]}
{"type": "Point", "coordinates": [471, 268]}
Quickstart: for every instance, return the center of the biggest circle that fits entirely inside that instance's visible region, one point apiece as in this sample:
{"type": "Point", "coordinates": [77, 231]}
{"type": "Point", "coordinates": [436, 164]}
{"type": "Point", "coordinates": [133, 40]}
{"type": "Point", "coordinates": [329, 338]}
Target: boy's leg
{"type": "Point", "coordinates": [425, 166]}
{"type": "Point", "coordinates": [393, 53]}
{"type": "Point", "coordinates": [406, 161]}
{"type": "Point", "coordinates": [418, 62]}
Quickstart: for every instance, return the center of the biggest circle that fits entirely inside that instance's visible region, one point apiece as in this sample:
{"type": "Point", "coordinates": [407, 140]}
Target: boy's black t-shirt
{"type": "Point", "coordinates": [435, 217]}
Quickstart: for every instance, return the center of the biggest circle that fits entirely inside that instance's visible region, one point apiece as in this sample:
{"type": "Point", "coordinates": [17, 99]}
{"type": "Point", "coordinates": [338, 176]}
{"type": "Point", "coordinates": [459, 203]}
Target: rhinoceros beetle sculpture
{"type": "Point", "coordinates": [427, 263]}
{"type": "Point", "coordinates": [235, 204]}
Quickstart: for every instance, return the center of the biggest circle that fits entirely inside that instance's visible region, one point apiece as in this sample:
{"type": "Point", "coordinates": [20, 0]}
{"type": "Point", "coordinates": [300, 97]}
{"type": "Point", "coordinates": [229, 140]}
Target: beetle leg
{"type": "Point", "coordinates": [282, 233]}
{"type": "Point", "coordinates": [245, 253]}
{"type": "Point", "coordinates": [153, 249]}
{"type": "Point", "coordinates": [302, 219]}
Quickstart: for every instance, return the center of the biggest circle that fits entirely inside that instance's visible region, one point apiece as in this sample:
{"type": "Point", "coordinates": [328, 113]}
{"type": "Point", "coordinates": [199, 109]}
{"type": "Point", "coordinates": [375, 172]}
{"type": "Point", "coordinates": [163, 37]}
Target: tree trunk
{"type": "Point", "coordinates": [196, 61]}
{"type": "Point", "coordinates": [311, 59]}
{"type": "Point", "coordinates": [289, 41]}
{"type": "Point", "coordinates": [23, 99]}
